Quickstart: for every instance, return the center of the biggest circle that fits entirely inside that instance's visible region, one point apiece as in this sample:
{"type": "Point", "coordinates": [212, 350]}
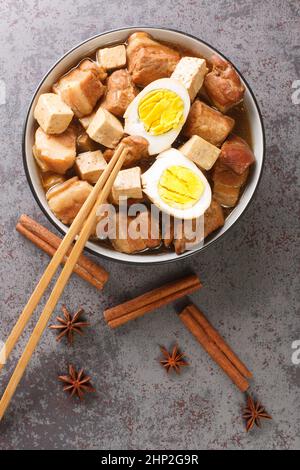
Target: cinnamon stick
{"type": "Point", "coordinates": [49, 242]}
{"type": "Point", "coordinates": [151, 300]}
{"type": "Point", "coordinates": [218, 340]}
{"type": "Point", "coordinates": [50, 251]}
{"type": "Point", "coordinates": [212, 349]}
{"type": "Point", "coordinates": [97, 271]}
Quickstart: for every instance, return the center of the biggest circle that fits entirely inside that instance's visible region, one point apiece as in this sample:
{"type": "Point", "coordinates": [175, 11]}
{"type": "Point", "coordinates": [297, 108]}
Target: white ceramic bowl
{"type": "Point", "coordinates": [85, 49]}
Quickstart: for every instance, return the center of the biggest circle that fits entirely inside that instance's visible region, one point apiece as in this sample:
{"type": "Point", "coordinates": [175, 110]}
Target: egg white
{"type": "Point", "coordinates": [150, 181]}
{"type": "Point", "coordinates": [134, 126]}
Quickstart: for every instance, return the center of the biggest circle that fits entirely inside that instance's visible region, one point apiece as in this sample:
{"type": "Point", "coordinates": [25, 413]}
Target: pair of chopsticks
{"type": "Point", "coordinates": [81, 226]}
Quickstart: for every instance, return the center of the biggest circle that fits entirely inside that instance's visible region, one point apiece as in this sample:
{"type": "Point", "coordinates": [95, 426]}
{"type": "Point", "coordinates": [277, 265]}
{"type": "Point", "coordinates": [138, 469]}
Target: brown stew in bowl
{"type": "Point", "coordinates": [186, 128]}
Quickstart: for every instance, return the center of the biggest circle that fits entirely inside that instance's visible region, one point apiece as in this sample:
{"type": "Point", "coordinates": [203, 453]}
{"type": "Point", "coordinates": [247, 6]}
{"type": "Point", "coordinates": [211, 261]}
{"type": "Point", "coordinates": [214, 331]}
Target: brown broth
{"type": "Point", "coordinates": [238, 113]}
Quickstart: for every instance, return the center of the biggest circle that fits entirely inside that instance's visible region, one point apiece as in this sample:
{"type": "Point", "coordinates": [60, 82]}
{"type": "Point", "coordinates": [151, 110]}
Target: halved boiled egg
{"type": "Point", "coordinates": [158, 113]}
{"type": "Point", "coordinates": [176, 186]}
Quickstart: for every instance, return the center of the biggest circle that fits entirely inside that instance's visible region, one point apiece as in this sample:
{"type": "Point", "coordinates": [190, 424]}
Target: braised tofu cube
{"type": "Point", "coordinates": [200, 152]}
{"type": "Point", "coordinates": [52, 114]}
{"type": "Point", "coordinates": [213, 218]}
{"type": "Point", "coordinates": [65, 200]}
{"type": "Point", "coordinates": [85, 144]}
{"type": "Point", "coordinates": [236, 154]}
{"type": "Point", "coordinates": [190, 71]}
{"type": "Point", "coordinates": [55, 152]}
{"type": "Point", "coordinates": [112, 58]}
{"type": "Point", "coordinates": [81, 88]}
{"type": "Point", "coordinates": [90, 166]}
{"type": "Point", "coordinates": [105, 128]}
{"type": "Point", "coordinates": [223, 84]}
{"type": "Point", "coordinates": [207, 123]}
{"type": "Point", "coordinates": [127, 184]}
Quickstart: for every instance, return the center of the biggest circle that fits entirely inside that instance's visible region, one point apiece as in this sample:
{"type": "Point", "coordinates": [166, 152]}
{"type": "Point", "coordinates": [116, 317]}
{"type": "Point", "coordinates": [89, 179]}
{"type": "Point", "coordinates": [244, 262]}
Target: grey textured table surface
{"type": "Point", "coordinates": [251, 276]}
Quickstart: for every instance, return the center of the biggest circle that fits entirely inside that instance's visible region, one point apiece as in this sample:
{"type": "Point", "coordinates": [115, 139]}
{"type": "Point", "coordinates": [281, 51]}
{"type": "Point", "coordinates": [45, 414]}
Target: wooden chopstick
{"type": "Point", "coordinates": [58, 257]}
{"type": "Point", "coordinates": [89, 214]}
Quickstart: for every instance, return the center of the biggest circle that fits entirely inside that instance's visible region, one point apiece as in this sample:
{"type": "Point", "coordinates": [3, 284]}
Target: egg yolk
{"type": "Point", "coordinates": [180, 187]}
{"type": "Point", "coordinates": [160, 111]}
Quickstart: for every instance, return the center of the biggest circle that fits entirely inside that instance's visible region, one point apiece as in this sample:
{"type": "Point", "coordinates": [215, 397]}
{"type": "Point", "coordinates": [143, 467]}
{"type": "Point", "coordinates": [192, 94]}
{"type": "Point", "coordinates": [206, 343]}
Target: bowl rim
{"type": "Point", "coordinates": [91, 250]}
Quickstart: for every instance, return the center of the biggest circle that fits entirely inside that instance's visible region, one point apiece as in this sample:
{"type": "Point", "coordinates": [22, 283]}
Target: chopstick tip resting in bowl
{"type": "Point", "coordinates": [81, 226]}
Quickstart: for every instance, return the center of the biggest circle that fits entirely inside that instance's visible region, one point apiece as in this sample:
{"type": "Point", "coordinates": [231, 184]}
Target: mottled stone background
{"type": "Point", "coordinates": [251, 276]}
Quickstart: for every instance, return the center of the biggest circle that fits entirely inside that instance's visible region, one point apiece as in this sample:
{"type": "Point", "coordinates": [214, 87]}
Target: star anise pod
{"type": "Point", "coordinates": [69, 325]}
{"type": "Point", "coordinates": [76, 382]}
{"type": "Point", "coordinates": [174, 360]}
{"type": "Point", "coordinates": [253, 413]}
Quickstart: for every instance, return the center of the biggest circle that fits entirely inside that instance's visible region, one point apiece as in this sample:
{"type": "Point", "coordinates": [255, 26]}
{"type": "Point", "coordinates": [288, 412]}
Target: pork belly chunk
{"type": "Point", "coordinates": [152, 237]}
{"type": "Point", "coordinates": [236, 154]}
{"type": "Point", "coordinates": [207, 123]}
{"type": "Point", "coordinates": [189, 238]}
{"type": "Point", "coordinates": [65, 200]}
{"type": "Point", "coordinates": [50, 179]}
{"type": "Point", "coordinates": [126, 226]}
{"type": "Point", "coordinates": [81, 88]}
{"type": "Point", "coordinates": [186, 237]}
{"type": "Point", "coordinates": [120, 92]}
{"type": "Point", "coordinates": [227, 196]}
{"type": "Point", "coordinates": [86, 120]}
{"type": "Point", "coordinates": [223, 85]}
{"type": "Point", "coordinates": [227, 184]}
{"type": "Point", "coordinates": [213, 218]}
{"type": "Point", "coordinates": [85, 144]}
{"type": "Point", "coordinates": [89, 64]}
{"type": "Point", "coordinates": [167, 230]}
{"type": "Point", "coordinates": [148, 60]}
{"type": "Point", "coordinates": [137, 150]}
{"type": "Point", "coordinates": [55, 152]}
